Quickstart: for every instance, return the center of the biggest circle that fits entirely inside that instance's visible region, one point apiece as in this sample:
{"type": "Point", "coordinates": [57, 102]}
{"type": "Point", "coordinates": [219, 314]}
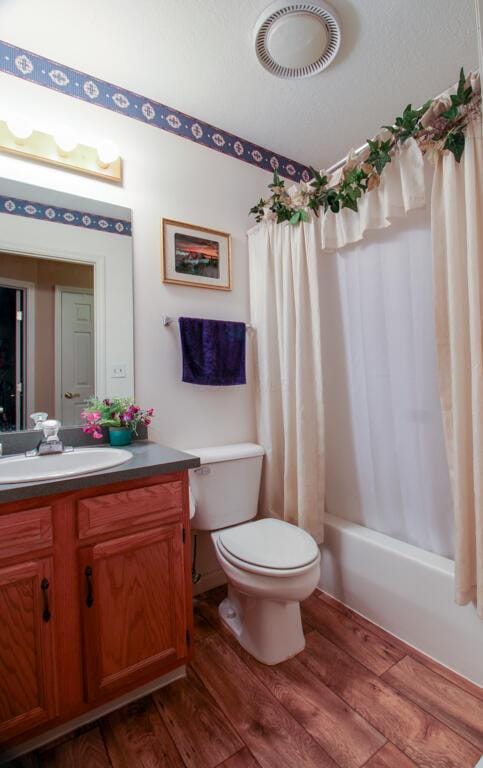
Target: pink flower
{"type": "Point", "coordinates": [90, 429]}
{"type": "Point", "coordinates": [91, 417]}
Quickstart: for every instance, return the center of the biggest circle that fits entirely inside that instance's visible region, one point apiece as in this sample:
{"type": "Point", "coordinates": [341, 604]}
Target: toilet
{"type": "Point", "coordinates": [270, 565]}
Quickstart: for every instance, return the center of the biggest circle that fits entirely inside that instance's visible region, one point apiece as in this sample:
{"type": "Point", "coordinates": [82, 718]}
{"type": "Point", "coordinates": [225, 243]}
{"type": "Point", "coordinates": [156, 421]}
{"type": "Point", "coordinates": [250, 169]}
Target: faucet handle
{"type": "Point", "coordinates": [50, 428]}
{"type": "Point", "coordinates": [38, 418]}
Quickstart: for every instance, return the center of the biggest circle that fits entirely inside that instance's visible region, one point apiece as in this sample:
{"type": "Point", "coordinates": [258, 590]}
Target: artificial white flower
{"type": "Point", "coordinates": [373, 181]}
{"type": "Point", "coordinates": [299, 195]}
{"type": "Point", "coordinates": [306, 188]}
{"type": "Point", "coordinates": [335, 178]}
{"type": "Point", "coordinates": [269, 215]}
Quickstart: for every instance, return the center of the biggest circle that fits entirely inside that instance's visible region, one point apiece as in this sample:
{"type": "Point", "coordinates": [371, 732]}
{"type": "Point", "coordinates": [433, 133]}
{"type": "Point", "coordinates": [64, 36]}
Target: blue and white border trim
{"type": "Point", "coordinates": [14, 206]}
{"type": "Point", "coordinates": [37, 69]}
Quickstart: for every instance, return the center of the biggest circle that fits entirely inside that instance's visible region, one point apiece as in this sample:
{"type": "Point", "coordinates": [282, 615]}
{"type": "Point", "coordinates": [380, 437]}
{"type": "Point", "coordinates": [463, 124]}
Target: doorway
{"type": "Point", "coordinates": [74, 351]}
{"type": "Point", "coordinates": [29, 330]}
{"type": "Point", "coordinates": [12, 358]}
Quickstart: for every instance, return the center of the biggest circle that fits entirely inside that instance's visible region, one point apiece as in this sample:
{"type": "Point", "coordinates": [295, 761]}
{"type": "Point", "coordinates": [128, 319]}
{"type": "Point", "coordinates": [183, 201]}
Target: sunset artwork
{"type": "Point", "coordinates": [197, 256]}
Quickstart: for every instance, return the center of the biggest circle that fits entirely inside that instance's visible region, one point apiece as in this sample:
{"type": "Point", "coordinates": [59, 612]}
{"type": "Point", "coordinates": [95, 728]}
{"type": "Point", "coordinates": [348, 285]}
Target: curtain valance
{"type": "Point", "coordinates": [401, 190]}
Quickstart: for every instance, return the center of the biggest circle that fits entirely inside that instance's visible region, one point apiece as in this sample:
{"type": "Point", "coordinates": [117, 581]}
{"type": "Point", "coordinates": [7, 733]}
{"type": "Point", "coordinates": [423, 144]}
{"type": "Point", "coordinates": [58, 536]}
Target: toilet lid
{"type": "Point", "coordinates": [270, 543]}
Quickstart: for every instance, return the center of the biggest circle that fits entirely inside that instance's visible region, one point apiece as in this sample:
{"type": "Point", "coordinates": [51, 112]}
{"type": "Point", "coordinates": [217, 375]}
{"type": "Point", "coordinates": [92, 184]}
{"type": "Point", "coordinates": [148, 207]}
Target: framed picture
{"type": "Point", "coordinates": [196, 256]}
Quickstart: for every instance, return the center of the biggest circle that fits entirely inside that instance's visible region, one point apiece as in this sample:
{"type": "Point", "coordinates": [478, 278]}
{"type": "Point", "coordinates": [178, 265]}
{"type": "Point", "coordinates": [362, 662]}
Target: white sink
{"type": "Point", "coordinates": [80, 461]}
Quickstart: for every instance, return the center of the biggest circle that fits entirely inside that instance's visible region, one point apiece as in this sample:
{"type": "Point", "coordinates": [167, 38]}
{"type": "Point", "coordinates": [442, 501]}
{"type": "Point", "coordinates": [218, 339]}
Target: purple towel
{"type": "Point", "coordinates": [213, 352]}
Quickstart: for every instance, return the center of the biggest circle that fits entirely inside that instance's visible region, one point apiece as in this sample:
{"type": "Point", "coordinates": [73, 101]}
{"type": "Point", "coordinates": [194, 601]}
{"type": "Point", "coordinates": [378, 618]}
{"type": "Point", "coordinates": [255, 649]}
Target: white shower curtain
{"type": "Point", "coordinates": [386, 462]}
{"type": "Point", "coordinates": [457, 214]}
{"type": "Point", "coordinates": [285, 311]}
{"type": "Point", "coordinates": [384, 452]}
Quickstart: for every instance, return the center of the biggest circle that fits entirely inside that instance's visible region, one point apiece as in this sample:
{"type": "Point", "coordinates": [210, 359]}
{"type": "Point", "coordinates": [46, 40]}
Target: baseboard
{"type": "Point", "coordinates": [93, 714]}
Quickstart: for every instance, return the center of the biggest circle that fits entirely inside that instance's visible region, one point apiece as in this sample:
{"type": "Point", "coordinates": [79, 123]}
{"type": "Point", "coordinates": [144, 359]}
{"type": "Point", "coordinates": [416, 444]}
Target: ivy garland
{"type": "Point", "coordinates": [361, 176]}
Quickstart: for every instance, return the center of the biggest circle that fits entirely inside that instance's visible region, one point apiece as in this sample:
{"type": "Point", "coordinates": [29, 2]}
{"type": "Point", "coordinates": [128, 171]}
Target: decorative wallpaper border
{"type": "Point", "coordinates": [30, 209]}
{"type": "Point", "coordinates": [50, 74]}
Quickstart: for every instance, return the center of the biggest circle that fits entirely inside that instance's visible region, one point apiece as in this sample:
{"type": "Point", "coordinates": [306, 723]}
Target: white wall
{"type": "Point", "coordinates": [164, 175]}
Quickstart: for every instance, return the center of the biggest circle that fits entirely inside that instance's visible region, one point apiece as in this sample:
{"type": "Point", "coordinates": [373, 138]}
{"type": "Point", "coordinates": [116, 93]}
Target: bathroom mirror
{"type": "Point", "coordinates": [66, 304]}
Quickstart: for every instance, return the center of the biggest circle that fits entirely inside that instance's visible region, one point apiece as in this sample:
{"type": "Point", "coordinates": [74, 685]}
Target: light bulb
{"type": "Point", "coordinates": [20, 128]}
{"type": "Point", "coordinates": [65, 141]}
{"type": "Point", "coordinates": [107, 153]}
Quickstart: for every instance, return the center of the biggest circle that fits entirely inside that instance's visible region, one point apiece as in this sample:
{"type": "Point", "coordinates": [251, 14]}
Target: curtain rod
{"type": "Point", "coordinates": [358, 151]}
{"type": "Point", "coordinates": [478, 5]}
{"type": "Point", "coordinates": [341, 162]}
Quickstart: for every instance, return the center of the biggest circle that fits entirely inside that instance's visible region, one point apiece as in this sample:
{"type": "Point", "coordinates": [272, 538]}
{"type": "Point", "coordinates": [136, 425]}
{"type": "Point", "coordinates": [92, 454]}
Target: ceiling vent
{"type": "Point", "coordinates": [297, 39]}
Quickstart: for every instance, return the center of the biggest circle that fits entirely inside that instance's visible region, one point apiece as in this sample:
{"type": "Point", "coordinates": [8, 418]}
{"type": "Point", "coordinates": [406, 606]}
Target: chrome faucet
{"type": "Point", "coordinates": [50, 442]}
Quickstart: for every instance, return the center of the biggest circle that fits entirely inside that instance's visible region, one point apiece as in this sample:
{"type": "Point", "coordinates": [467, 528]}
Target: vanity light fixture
{"type": "Point", "coordinates": [60, 149]}
{"type": "Point", "coordinates": [20, 129]}
{"type": "Point", "coordinates": [107, 153]}
{"type": "Point", "coordinates": [65, 141]}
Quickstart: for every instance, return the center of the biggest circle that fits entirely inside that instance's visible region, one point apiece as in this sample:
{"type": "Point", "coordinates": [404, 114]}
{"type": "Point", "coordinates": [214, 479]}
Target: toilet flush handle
{"type": "Point", "coordinates": [202, 471]}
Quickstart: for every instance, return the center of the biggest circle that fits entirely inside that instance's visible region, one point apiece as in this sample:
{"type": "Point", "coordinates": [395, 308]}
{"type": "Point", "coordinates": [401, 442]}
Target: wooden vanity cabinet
{"type": "Point", "coordinates": [28, 681]}
{"type": "Point", "coordinates": [95, 599]}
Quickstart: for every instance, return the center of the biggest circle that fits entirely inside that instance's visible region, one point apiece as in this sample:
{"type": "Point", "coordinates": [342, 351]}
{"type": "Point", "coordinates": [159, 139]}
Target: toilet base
{"type": "Point", "coordinates": [271, 631]}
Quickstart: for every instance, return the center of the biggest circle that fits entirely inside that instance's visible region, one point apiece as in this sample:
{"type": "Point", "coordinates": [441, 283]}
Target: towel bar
{"type": "Point", "coordinates": [167, 320]}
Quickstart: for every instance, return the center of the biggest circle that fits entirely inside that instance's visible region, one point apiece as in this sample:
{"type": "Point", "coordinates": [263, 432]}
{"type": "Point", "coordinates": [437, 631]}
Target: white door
{"type": "Point", "coordinates": [76, 348]}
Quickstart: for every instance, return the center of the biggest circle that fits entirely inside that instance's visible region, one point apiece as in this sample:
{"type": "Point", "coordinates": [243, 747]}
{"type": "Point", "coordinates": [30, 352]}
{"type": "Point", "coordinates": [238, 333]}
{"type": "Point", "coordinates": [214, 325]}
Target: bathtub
{"type": "Point", "coordinates": [405, 590]}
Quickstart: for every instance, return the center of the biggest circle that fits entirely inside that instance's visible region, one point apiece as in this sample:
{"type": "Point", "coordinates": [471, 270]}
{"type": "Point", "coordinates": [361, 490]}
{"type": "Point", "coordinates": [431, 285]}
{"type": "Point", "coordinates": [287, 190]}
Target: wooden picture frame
{"type": "Point", "coordinates": [194, 256]}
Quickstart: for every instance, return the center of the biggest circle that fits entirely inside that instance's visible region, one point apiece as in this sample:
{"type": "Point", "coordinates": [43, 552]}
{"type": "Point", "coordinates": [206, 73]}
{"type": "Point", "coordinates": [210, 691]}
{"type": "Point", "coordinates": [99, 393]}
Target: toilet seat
{"type": "Point", "coordinates": [268, 546]}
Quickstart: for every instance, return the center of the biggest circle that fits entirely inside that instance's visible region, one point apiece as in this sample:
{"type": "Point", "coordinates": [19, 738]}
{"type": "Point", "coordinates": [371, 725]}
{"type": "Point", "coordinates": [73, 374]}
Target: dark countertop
{"type": "Point", "coordinates": [148, 459]}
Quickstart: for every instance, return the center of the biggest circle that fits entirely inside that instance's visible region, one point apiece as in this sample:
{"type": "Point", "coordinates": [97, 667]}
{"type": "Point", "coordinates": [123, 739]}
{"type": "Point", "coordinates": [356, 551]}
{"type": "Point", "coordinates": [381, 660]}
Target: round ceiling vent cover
{"type": "Point", "coordinates": [297, 39]}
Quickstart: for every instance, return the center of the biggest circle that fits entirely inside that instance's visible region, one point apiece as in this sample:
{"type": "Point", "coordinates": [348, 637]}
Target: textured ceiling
{"type": "Point", "coordinates": [197, 56]}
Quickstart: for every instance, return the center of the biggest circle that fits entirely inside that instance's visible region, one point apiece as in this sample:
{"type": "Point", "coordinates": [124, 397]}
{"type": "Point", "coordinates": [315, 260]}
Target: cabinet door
{"type": "Point", "coordinates": [28, 685]}
{"type": "Point", "coordinates": [133, 608]}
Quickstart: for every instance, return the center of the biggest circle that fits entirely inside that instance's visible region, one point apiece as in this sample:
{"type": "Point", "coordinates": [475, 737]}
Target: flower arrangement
{"type": "Point", "coordinates": [438, 127]}
{"type": "Point", "coordinates": [114, 412]}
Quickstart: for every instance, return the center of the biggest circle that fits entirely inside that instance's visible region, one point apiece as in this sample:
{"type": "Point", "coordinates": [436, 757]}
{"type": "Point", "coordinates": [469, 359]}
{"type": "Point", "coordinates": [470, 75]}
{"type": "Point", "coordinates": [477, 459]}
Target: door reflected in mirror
{"type": "Point", "coordinates": [47, 344]}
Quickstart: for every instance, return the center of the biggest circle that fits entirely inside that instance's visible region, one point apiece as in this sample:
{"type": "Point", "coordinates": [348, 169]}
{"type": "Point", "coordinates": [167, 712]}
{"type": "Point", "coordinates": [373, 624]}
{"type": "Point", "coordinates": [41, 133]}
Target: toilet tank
{"type": "Point", "coordinates": [226, 485]}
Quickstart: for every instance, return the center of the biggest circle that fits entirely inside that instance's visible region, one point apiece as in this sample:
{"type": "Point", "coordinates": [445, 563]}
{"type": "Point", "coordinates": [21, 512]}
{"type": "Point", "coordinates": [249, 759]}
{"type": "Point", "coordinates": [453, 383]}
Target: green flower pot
{"type": "Point", "coordinates": [120, 436]}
